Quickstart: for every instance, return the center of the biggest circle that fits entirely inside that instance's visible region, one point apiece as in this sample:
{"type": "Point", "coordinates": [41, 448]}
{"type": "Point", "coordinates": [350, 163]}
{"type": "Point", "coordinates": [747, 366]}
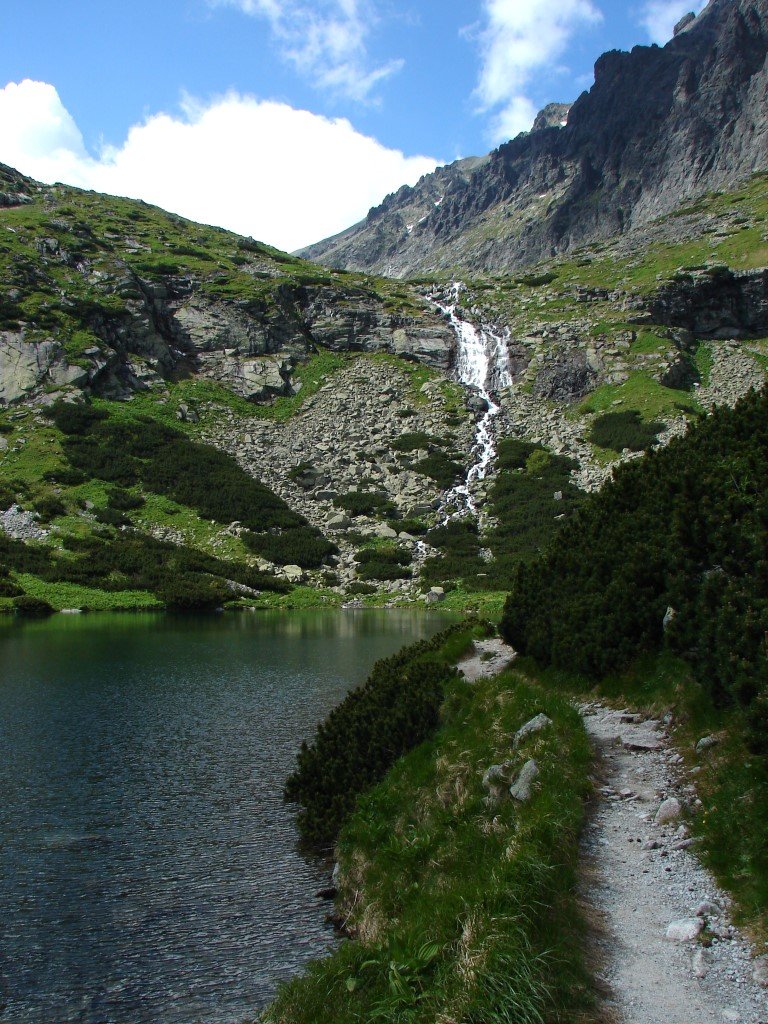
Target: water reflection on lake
{"type": "Point", "coordinates": [148, 868]}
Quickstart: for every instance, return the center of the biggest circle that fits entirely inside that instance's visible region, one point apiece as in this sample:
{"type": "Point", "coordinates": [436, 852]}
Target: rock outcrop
{"type": "Point", "coordinates": [90, 301]}
{"type": "Point", "coordinates": [659, 125]}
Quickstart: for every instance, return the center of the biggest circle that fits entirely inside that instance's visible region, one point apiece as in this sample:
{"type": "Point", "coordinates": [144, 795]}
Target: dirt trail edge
{"type": "Point", "coordinates": [669, 952]}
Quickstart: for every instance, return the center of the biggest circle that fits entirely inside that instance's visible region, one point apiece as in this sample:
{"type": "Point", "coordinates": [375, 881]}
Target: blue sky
{"type": "Point", "coordinates": [287, 119]}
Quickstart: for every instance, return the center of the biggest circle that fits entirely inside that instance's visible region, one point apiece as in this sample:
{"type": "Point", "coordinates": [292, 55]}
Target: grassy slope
{"type": "Point", "coordinates": [114, 234]}
{"type": "Point", "coordinates": [110, 235]}
{"type": "Point", "coordinates": [461, 912]}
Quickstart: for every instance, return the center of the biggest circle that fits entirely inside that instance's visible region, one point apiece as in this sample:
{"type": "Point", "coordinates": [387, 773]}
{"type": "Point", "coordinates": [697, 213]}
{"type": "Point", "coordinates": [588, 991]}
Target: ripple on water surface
{"type": "Point", "coordinates": [148, 865]}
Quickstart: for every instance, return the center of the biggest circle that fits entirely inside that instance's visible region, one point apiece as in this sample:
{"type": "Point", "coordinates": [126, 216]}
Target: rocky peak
{"type": "Point", "coordinates": [660, 125]}
{"type": "Point", "coordinates": [685, 22]}
{"type": "Point", "coordinates": [554, 115]}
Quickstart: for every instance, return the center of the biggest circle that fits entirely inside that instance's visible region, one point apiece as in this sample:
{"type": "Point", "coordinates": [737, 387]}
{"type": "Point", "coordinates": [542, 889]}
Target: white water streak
{"type": "Point", "coordinates": [483, 365]}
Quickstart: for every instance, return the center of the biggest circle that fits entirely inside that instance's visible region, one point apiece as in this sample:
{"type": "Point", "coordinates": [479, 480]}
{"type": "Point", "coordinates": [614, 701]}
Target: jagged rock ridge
{"type": "Point", "coordinates": [659, 125]}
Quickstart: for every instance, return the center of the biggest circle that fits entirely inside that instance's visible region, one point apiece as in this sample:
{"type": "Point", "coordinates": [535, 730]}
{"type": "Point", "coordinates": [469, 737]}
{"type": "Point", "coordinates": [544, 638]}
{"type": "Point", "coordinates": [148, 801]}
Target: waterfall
{"type": "Point", "coordinates": [483, 365]}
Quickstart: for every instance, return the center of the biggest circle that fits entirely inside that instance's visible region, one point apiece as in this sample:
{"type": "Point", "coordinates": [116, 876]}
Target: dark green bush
{"type": "Point", "coordinates": [49, 507]}
{"type": "Point", "coordinates": [124, 501]}
{"type": "Point", "coordinates": [459, 544]}
{"type": "Point", "coordinates": [361, 589]}
{"type": "Point", "coordinates": [8, 588]}
{"type": "Point", "coordinates": [189, 592]}
{"type": "Point", "coordinates": [536, 280]}
{"type": "Point", "coordinates": [304, 546]}
{"type": "Point", "coordinates": [73, 418]}
{"type": "Point", "coordinates": [110, 517]}
{"type": "Point", "coordinates": [396, 709]}
{"type": "Point", "coordinates": [31, 607]}
{"type": "Point", "coordinates": [125, 561]}
{"type": "Point", "coordinates": [440, 468]}
{"type": "Point", "coordinates": [165, 461]}
{"type": "Point", "coordinates": [619, 430]}
{"type": "Point", "coordinates": [415, 527]}
{"type": "Point", "coordinates": [385, 563]}
{"type": "Point", "coordinates": [685, 527]}
{"type": "Point", "coordinates": [66, 476]}
{"type": "Point", "coordinates": [512, 453]}
{"type": "Point", "coordinates": [365, 503]}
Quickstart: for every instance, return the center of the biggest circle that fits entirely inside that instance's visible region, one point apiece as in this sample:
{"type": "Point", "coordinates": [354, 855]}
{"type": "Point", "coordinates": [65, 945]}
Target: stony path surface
{"type": "Point", "coordinates": [488, 658]}
{"type": "Point", "coordinates": [667, 950]}
{"type": "Point", "coordinates": [641, 875]}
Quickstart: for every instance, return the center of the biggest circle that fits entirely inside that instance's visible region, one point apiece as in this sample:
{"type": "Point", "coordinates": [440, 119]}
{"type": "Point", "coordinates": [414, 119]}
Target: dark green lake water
{"type": "Point", "coordinates": [148, 865]}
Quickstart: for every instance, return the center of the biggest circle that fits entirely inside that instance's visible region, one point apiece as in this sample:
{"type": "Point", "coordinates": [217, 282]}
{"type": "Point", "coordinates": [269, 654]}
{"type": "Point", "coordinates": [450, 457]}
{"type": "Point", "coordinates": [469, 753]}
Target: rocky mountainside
{"type": "Point", "coordinates": [109, 296]}
{"type": "Point", "coordinates": [659, 125]}
{"type": "Point", "coordinates": [172, 394]}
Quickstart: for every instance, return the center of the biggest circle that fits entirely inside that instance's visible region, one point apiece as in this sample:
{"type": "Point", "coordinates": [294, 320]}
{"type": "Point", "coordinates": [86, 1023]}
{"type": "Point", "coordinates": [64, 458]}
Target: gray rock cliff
{"type": "Point", "coordinates": [659, 125]}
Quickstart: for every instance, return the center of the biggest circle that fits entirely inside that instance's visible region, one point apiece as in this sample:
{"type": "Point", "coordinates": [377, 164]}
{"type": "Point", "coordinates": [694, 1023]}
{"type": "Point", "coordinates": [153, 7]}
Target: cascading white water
{"type": "Point", "coordinates": [483, 364]}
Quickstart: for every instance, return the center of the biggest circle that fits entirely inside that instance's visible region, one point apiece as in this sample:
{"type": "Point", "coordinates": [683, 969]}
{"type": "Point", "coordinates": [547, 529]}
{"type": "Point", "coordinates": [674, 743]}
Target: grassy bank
{"type": "Point", "coordinates": [460, 910]}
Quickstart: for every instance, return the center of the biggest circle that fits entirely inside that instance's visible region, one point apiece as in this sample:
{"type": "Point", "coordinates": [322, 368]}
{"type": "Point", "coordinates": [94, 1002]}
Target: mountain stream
{"type": "Point", "coordinates": [482, 366]}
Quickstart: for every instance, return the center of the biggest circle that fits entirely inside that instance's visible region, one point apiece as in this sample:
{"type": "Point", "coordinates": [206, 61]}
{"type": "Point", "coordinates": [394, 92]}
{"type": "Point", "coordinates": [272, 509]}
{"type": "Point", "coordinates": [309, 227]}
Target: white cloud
{"type": "Point", "coordinates": [288, 177]}
{"type": "Point", "coordinates": [517, 40]}
{"type": "Point", "coordinates": [661, 16]}
{"type": "Point", "coordinates": [325, 40]}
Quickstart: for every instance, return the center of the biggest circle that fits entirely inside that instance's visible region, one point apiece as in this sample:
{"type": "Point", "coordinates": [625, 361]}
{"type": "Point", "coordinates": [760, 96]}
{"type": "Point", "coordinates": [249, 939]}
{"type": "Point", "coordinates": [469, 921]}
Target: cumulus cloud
{"type": "Point", "coordinates": [518, 39]}
{"type": "Point", "coordinates": [288, 177]}
{"type": "Point", "coordinates": [325, 40]}
{"type": "Point", "coordinates": [660, 16]}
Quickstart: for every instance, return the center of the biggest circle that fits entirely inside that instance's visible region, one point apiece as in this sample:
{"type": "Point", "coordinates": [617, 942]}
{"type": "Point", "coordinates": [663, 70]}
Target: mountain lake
{"type": "Point", "coordinates": [149, 868]}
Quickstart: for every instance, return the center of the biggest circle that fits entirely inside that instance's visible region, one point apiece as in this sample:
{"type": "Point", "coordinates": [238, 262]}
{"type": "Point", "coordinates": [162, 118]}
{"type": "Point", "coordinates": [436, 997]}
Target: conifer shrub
{"type": "Point", "coordinates": [165, 461]}
{"type": "Point", "coordinates": [127, 561]}
{"type": "Point", "coordinates": [439, 467]}
{"type": "Point", "coordinates": [49, 507]}
{"type": "Point", "coordinates": [7, 497]}
{"type": "Point", "coordinates": [416, 527]}
{"type": "Point", "coordinates": [124, 501]}
{"type": "Point", "coordinates": [66, 476]}
{"type": "Point", "coordinates": [73, 418]}
{"type": "Point", "coordinates": [303, 545]}
{"type": "Point", "coordinates": [31, 607]}
{"type": "Point", "coordinates": [619, 430]}
{"type": "Point", "coordinates": [361, 589]}
{"type": "Point", "coordinates": [110, 517]}
{"type": "Point", "coordinates": [395, 710]}
{"type": "Point", "coordinates": [512, 453]}
{"type": "Point", "coordinates": [8, 588]}
{"type": "Point", "coordinates": [383, 563]}
{"type": "Point", "coordinates": [192, 592]}
{"type": "Point", "coordinates": [458, 541]}
{"type": "Point", "coordinates": [365, 503]}
{"type": "Point", "coordinates": [686, 528]}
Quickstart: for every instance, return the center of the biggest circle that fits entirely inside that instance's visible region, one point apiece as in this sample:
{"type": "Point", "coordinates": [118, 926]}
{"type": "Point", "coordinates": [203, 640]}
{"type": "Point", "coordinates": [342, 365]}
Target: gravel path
{"type": "Point", "coordinates": [488, 658]}
{"type": "Point", "coordinates": [667, 950]}
{"type": "Point", "coordinates": [643, 876]}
